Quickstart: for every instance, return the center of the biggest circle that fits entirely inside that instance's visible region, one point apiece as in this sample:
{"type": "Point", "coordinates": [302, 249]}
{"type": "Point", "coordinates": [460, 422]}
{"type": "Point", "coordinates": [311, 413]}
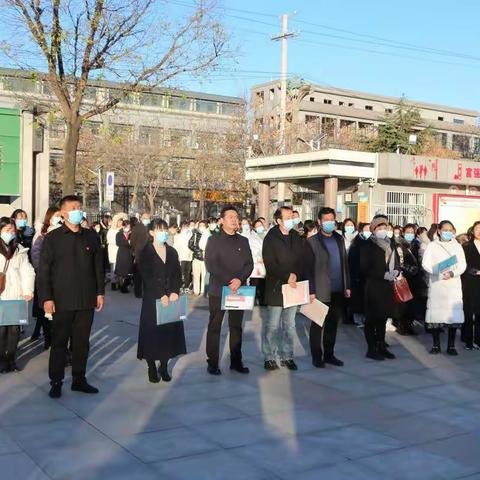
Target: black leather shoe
{"type": "Point", "coordinates": [214, 371]}
{"type": "Point", "coordinates": [83, 386]}
{"type": "Point", "coordinates": [290, 364]}
{"type": "Point", "coordinates": [271, 365]}
{"type": "Point", "coordinates": [55, 390]}
{"type": "Point", "coordinates": [435, 350]}
{"type": "Point", "coordinates": [452, 351]}
{"type": "Point", "coordinates": [320, 364]}
{"type": "Point", "coordinates": [240, 368]}
{"type": "Point", "coordinates": [334, 361]}
{"type": "Point", "coordinates": [375, 356]}
{"type": "Point", "coordinates": [165, 375]}
{"type": "Point", "coordinates": [153, 375]}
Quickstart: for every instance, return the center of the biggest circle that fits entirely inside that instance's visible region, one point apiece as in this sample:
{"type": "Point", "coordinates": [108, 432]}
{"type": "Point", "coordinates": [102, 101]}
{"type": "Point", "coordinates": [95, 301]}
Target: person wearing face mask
{"type": "Point", "coordinates": [20, 279]}
{"type": "Point", "coordinates": [213, 227]}
{"type": "Point", "coordinates": [357, 280]}
{"type": "Point", "coordinates": [24, 232]}
{"type": "Point", "coordinates": [172, 233]}
{"type": "Point", "coordinates": [117, 225]}
{"type": "Point", "coordinates": [124, 260]}
{"type": "Point", "coordinates": [51, 221]}
{"type": "Point", "coordinates": [283, 255]}
{"type": "Point", "coordinates": [298, 225]}
{"type": "Point", "coordinates": [162, 280]}
{"type": "Point", "coordinates": [379, 265]}
{"type": "Point", "coordinates": [309, 229]}
{"type": "Point", "coordinates": [349, 232]}
{"type": "Point", "coordinates": [397, 232]}
{"type": "Point", "coordinates": [185, 256]}
{"type": "Point", "coordinates": [332, 287]}
{"type": "Point", "coordinates": [198, 245]}
{"type": "Point", "coordinates": [445, 299]}
{"type": "Point", "coordinates": [71, 285]}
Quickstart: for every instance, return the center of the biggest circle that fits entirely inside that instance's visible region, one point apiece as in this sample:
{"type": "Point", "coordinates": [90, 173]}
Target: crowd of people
{"type": "Point", "coordinates": [375, 275]}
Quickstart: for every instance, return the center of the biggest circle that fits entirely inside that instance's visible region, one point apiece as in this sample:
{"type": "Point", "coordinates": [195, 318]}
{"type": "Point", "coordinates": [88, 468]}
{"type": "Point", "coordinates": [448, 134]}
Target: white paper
{"type": "Point", "coordinates": [258, 271]}
{"type": "Point", "coordinates": [315, 311]}
{"type": "Point", "coordinates": [296, 296]}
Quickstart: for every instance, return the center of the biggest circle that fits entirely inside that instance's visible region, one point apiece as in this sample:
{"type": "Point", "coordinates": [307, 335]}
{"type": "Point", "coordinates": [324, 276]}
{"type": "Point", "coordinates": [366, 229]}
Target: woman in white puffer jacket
{"type": "Point", "coordinates": [20, 281]}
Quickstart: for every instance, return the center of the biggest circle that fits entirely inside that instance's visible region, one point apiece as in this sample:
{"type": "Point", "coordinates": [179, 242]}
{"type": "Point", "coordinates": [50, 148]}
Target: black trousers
{"type": "Point", "coordinates": [137, 281]}
{"type": "Point", "coordinates": [9, 337]}
{"type": "Point", "coordinates": [471, 328]}
{"type": "Point", "coordinates": [260, 292]}
{"type": "Point", "coordinates": [375, 328]}
{"type": "Point", "coordinates": [326, 336]}
{"type": "Point", "coordinates": [235, 318]}
{"type": "Point", "coordinates": [186, 268]}
{"type": "Point", "coordinates": [76, 324]}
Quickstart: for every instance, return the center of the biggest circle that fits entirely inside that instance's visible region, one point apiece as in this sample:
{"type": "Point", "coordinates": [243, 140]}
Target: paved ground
{"type": "Point", "coordinates": [414, 418]}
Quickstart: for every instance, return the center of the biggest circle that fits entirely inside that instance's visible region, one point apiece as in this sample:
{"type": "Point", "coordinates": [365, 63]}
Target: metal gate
{"type": "Point", "coordinates": [405, 207]}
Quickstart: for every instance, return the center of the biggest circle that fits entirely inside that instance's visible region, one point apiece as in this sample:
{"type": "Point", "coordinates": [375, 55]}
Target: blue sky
{"type": "Point", "coordinates": [440, 64]}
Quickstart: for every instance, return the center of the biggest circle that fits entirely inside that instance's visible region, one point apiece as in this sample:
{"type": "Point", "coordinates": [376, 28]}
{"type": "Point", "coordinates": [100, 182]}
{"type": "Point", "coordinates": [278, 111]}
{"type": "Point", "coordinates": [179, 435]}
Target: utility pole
{"type": "Point", "coordinates": [284, 36]}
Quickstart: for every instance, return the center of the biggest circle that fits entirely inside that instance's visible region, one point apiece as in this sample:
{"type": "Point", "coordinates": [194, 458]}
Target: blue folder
{"type": "Point", "coordinates": [174, 312]}
{"type": "Point", "coordinates": [13, 312]}
{"type": "Point", "coordinates": [244, 299]}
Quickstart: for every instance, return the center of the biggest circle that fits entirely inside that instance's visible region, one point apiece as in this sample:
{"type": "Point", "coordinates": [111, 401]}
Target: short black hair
{"type": "Point", "coordinates": [16, 212]}
{"type": "Point", "coordinates": [410, 225]}
{"type": "Point", "coordinates": [446, 222]}
{"type": "Point", "coordinates": [278, 212]}
{"type": "Point", "coordinates": [158, 223]}
{"type": "Point", "coordinates": [226, 209]}
{"type": "Point", "coordinates": [69, 198]}
{"type": "Point", "coordinates": [326, 211]}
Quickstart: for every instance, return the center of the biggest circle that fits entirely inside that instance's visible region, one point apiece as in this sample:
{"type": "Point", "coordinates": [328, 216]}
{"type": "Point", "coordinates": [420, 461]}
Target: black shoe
{"type": "Point", "coordinates": [55, 390]}
{"type": "Point", "coordinates": [214, 371]}
{"type": "Point", "coordinates": [468, 347]}
{"type": "Point", "coordinates": [290, 364]}
{"type": "Point", "coordinates": [34, 337]}
{"type": "Point", "coordinates": [334, 361]}
{"type": "Point", "coordinates": [435, 350]}
{"type": "Point", "coordinates": [375, 356]}
{"type": "Point", "coordinates": [318, 364]}
{"type": "Point", "coordinates": [240, 368]}
{"type": "Point", "coordinates": [114, 287]}
{"type": "Point", "coordinates": [164, 374]}
{"type": "Point", "coordinates": [153, 375]}
{"type": "Point", "coordinates": [452, 351]}
{"type": "Point", "coordinates": [271, 365]}
{"type": "Point", "coordinates": [12, 367]}
{"type": "Point", "coordinates": [83, 386]}
{"type": "Point", "coordinates": [47, 344]}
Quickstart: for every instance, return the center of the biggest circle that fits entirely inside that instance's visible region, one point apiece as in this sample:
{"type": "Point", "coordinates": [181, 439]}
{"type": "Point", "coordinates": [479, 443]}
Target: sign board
{"type": "Point", "coordinates": [362, 212]}
{"type": "Point", "coordinates": [9, 151]}
{"type": "Point", "coordinates": [110, 186]}
{"type": "Point", "coordinates": [462, 210]}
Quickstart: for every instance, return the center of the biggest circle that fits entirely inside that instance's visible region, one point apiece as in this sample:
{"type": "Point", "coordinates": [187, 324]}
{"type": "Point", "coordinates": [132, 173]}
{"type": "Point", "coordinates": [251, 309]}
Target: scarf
{"type": "Point", "coordinates": [386, 246]}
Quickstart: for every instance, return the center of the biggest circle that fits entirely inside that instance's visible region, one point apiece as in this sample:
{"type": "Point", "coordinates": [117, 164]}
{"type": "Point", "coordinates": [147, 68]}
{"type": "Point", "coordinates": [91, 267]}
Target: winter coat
{"type": "Point", "coordinates": [282, 255]}
{"type": "Point", "coordinates": [159, 342]}
{"type": "Point", "coordinates": [471, 279]}
{"type": "Point", "coordinates": [112, 244]}
{"type": "Point", "coordinates": [322, 265]}
{"type": "Point", "coordinates": [20, 275]}
{"type": "Point", "coordinates": [180, 244]}
{"type": "Point", "coordinates": [357, 280]}
{"type": "Point", "coordinates": [139, 238]}
{"type": "Point", "coordinates": [445, 299]}
{"type": "Point", "coordinates": [124, 261]}
{"type": "Point", "coordinates": [195, 244]}
{"type": "Point", "coordinates": [256, 245]}
{"type": "Point", "coordinates": [378, 299]}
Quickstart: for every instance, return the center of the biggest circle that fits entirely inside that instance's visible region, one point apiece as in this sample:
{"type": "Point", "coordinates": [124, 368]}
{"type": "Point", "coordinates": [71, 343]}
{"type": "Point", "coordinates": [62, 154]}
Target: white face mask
{"type": "Point", "coordinates": [389, 233]}
{"type": "Point", "coordinates": [381, 234]}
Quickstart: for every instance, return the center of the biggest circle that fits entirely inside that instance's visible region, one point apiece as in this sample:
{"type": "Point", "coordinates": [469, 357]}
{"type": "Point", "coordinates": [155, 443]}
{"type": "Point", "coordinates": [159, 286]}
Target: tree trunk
{"type": "Point", "coordinates": [202, 203]}
{"type": "Point", "coordinates": [85, 195]}
{"type": "Point", "coordinates": [151, 203]}
{"type": "Point", "coordinates": [70, 147]}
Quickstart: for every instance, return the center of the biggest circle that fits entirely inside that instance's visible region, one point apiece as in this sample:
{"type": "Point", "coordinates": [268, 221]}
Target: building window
{"type": "Point", "coordinates": [311, 119]}
{"type": "Point", "coordinates": [312, 99]}
{"type": "Point", "coordinates": [351, 104]}
{"type": "Point", "coordinates": [272, 93]}
{"type": "Point", "coordinates": [461, 143]}
{"type": "Point", "coordinates": [388, 110]}
{"type": "Point", "coordinates": [327, 101]}
{"type": "Point", "coordinates": [405, 207]}
{"type": "Point", "coordinates": [440, 119]}
{"type": "Point", "coordinates": [458, 121]}
{"type": "Point", "coordinates": [341, 103]}
{"type": "Point", "coordinates": [206, 106]}
{"type": "Point", "coordinates": [368, 107]}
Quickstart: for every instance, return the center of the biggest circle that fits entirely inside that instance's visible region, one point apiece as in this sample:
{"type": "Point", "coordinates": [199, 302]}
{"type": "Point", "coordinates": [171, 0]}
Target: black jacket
{"type": "Point", "coordinates": [470, 279]}
{"type": "Point", "coordinates": [139, 238]}
{"type": "Point", "coordinates": [71, 271]}
{"type": "Point", "coordinates": [282, 255]}
{"type": "Point", "coordinates": [227, 257]}
{"type": "Point", "coordinates": [124, 262]}
{"type": "Point", "coordinates": [357, 280]}
{"type": "Point", "coordinates": [193, 245]}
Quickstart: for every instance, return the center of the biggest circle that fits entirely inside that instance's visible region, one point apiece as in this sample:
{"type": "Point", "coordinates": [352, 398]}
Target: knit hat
{"type": "Point", "coordinates": [377, 221]}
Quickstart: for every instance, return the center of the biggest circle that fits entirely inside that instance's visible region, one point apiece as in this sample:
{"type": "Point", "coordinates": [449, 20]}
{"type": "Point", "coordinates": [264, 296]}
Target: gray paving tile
{"type": "Point", "coordinates": [408, 380]}
{"type": "Point", "coordinates": [7, 444]}
{"type": "Point", "coordinates": [412, 401]}
{"type": "Point", "coordinates": [349, 470]}
{"type": "Point", "coordinates": [16, 466]}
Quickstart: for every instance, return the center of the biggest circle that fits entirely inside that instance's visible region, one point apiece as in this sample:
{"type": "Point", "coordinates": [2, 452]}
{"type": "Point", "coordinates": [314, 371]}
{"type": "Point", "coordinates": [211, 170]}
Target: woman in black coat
{"type": "Point", "coordinates": [162, 280]}
{"type": "Point", "coordinates": [124, 263]}
{"type": "Point", "coordinates": [379, 267]}
{"type": "Point", "coordinates": [471, 290]}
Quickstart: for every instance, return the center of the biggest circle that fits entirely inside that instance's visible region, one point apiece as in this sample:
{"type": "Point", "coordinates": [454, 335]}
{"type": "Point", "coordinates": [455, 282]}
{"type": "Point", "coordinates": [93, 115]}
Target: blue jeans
{"type": "Point", "coordinates": [277, 334]}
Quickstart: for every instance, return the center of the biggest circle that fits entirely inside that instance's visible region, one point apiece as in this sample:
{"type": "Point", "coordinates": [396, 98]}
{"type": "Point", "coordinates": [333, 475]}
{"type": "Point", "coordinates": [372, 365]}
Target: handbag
{"type": "Point", "coordinates": [3, 277]}
{"type": "Point", "coordinates": [401, 290]}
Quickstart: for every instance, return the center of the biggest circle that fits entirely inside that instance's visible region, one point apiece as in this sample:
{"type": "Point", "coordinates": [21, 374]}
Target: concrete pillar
{"type": "Point", "coordinates": [42, 180]}
{"type": "Point", "coordinates": [331, 189]}
{"type": "Point", "coordinates": [264, 200]}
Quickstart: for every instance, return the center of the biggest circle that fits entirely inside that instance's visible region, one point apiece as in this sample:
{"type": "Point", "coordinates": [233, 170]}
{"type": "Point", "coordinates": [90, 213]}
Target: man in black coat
{"type": "Point", "coordinates": [71, 286]}
{"type": "Point", "coordinates": [332, 283]}
{"type": "Point", "coordinates": [283, 255]}
{"type": "Point", "coordinates": [229, 260]}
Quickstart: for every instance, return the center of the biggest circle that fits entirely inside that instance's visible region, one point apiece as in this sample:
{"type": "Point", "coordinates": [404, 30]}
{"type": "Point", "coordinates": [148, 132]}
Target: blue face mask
{"type": "Point", "coordinates": [75, 217]}
{"type": "Point", "coordinates": [161, 237]}
{"type": "Point", "coordinates": [21, 223]}
{"type": "Point", "coordinates": [366, 235]}
{"type": "Point", "coordinates": [329, 226]}
{"type": "Point", "coordinates": [146, 222]}
{"type": "Point", "coordinates": [409, 237]}
{"type": "Point", "coordinates": [446, 236]}
{"type": "Point", "coordinates": [349, 229]}
{"type": "Point", "coordinates": [288, 224]}
{"type": "Point", "coordinates": [7, 237]}
{"type": "Point", "coordinates": [296, 221]}
{"type": "Point", "coordinates": [246, 228]}
{"type": "Point", "coordinates": [260, 230]}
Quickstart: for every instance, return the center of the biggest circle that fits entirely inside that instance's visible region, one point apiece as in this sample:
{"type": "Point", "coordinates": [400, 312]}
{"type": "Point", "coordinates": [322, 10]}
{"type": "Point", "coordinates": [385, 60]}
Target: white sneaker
{"type": "Point", "coordinates": [390, 327]}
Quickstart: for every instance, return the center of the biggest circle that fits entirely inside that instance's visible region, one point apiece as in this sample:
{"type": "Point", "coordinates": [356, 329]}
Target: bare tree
{"type": "Point", "coordinates": [130, 41]}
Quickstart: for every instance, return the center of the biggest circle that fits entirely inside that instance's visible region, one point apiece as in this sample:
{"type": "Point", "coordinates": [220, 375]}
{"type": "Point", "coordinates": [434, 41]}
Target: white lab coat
{"type": "Point", "coordinates": [20, 275]}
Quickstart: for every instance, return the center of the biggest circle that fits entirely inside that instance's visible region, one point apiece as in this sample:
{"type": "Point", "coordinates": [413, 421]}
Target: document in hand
{"type": "Point", "coordinates": [244, 299]}
{"type": "Point", "coordinates": [174, 312]}
{"type": "Point", "coordinates": [315, 311]}
{"type": "Point", "coordinates": [445, 265]}
{"type": "Point", "coordinates": [258, 270]}
{"type": "Point", "coordinates": [296, 296]}
{"type": "Point", "coordinates": [13, 312]}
